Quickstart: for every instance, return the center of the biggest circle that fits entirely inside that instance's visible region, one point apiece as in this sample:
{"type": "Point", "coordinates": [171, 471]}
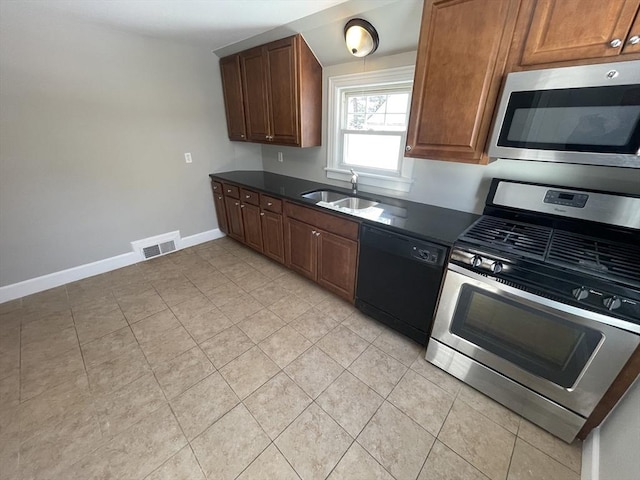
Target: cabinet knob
{"type": "Point", "coordinates": [313, 232]}
{"type": "Point", "coordinates": [242, 206]}
{"type": "Point", "coordinates": [247, 196]}
{"type": "Point", "coordinates": [635, 40]}
{"type": "Point", "coordinates": [228, 190]}
{"type": "Point", "coordinates": [237, 203]}
{"type": "Point", "coordinates": [220, 197]}
{"type": "Point", "coordinates": [317, 234]}
{"type": "Point", "coordinates": [408, 148]}
{"type": "Point", "coordinates": [615, 43]}
{"type": "Point", "coordinates": [267, 137]}
{"type": "Point", "coordinates": [269, 204]}
{"type": "Point", "coordinates": [242, 135]}
{"type": "Point", "coordinates": [262, 214]}
{"type": "Point", "coordinates": [215, 188]}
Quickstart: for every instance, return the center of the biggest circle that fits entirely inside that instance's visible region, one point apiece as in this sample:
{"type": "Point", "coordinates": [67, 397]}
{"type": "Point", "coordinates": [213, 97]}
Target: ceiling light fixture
{"type": "Point", "coordinates": [361, 37]}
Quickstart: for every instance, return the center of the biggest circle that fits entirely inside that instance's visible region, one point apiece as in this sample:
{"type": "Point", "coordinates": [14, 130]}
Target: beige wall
{"type": "Point", "coordinates": [94, 124]}
{"type": "Point", "coordinates": [448, 184]}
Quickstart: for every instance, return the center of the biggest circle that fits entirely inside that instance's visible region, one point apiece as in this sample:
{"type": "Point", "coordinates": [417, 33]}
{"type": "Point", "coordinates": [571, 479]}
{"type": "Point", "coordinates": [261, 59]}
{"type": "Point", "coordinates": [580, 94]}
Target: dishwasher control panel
{"type": "Point", "coordinates": [425, 254]}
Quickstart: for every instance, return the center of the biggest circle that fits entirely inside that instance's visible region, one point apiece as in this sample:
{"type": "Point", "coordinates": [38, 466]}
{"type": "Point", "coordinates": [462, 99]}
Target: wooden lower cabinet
{"type": "Point", "coordinates": [301, 247]}
{"type": "Point", "coordinates": [320, 246]}
{"type": "Point", "coordinates": [273, 236]}
{"type": "Point", "coordinates": [326, 258]}
{"type": "Point", "coordinates": [252, 226]}
{"type": "Point", "coordinates": [221, 213]}
{"type": "Point", "coordinates": [234, 219]}
{"type": "Point", "coordinates": [337, 263]}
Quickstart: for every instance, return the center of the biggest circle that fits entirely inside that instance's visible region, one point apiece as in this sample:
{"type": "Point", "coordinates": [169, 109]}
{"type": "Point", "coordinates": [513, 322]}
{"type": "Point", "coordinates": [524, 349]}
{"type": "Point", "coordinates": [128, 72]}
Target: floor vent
{"type": "Point", "coordinates": [156, 246]}
{"type": "Point", "coordinates": [152, 251]}
{"type": "Point", "coordinates": [167, 247]}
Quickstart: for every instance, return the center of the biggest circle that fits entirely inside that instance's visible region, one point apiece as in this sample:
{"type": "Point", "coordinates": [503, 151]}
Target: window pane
{"type": "Point", "coordinates": [356, 104]}
{"type": "Point", "coordinates": [377, 151]}
{"type": "Point", "coordinates": [378, 112]}
{"type": "Point", "coordinates": [376, 103]}
{"type": "Point", "coordinates": [397, 103]}
{"type": "Point", "coordinates": [396, 120]}
{"type": "Point", "coordinates": [355, 122]}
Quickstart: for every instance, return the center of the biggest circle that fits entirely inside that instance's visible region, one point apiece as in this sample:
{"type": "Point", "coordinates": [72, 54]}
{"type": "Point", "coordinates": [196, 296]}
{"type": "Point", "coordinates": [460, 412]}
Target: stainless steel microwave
{"type": "Point", "coordinates": [588, 115]}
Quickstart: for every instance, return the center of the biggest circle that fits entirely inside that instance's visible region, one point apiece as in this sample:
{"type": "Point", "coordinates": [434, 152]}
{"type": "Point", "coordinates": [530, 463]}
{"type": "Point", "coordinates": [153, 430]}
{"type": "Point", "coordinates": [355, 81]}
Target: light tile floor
{"type": "Point", "coordinates": [214, 362]}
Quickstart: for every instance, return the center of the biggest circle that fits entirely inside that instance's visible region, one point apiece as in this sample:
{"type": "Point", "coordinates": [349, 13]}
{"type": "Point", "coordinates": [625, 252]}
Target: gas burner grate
{"type": "Point", "coordinates": [518, 238]}
{"type": "Point", "coordinates": [596, 256]}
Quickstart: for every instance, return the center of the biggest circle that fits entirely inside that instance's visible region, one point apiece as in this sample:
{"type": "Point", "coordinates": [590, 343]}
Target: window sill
{"type": "Point", "coordinates": [400, 184]}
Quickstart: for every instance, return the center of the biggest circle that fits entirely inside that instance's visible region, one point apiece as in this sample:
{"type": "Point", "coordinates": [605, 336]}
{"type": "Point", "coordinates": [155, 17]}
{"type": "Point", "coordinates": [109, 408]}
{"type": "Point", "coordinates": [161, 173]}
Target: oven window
{"type": "Point", "coordinates": [543, 344]}
{"type": "Point", "coordinates": [596, 119]}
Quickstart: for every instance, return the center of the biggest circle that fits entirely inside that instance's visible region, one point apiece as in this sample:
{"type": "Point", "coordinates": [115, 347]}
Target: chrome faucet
{"type": "Point", "coordinates": [354, 181]}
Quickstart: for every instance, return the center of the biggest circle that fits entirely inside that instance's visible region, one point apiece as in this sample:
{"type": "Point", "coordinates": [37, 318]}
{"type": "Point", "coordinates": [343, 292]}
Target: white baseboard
{"type": "Point", "coordinates": [51, 280]}
{"type": "Point", "coordinates": [591, 456]}
{"type": "Point", "coordinates": [199, 238]}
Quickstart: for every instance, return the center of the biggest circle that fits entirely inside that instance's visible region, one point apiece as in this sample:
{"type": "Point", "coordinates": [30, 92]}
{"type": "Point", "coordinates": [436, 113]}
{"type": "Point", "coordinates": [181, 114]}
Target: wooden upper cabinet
{"type": "Point", "coordinates": [565, 30]}
{"type": "Point", "coordinates": [282, 93]}
{"type": "Point", "coordinates": [632, 45]}
{"type": "Point", "coordinates": [461, 57]}
{"type": "Point", "coordinates": [233, 99]}
{"type": "Point", "coordinates": [254, 86]}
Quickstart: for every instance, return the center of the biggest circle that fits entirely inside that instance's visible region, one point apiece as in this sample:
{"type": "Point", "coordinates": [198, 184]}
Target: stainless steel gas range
{"type": "Point", "coordinates": [540, 307]}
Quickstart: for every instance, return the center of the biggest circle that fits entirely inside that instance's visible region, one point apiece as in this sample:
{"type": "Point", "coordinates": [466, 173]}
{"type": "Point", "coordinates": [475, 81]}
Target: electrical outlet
{"type": "Point", "coordinates": [187, 158]}
{"type": "Point", "coordinates": [280, 159]}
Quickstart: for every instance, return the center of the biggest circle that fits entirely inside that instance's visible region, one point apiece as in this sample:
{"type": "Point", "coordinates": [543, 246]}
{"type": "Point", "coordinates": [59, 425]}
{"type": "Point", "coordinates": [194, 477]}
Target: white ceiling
{"type": "Point", "coordinates": [210, 23]}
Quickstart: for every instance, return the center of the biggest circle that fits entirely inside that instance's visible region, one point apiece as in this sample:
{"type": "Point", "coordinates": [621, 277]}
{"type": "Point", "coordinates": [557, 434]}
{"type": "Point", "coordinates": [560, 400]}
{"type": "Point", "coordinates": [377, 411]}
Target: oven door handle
{"type": "Point", "coordinates": [578, 315]}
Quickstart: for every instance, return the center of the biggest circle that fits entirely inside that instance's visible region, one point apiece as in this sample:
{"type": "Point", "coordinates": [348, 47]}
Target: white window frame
{"type": "Point", "coordinates": [381, 79]}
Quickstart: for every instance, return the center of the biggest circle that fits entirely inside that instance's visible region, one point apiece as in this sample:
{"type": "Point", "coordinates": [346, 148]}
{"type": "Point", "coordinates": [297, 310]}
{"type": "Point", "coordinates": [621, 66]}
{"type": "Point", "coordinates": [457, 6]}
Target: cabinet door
{"type": "Point", "coordinates": [218, 201]}
{"type": "Point", "coordinates": [252, 226]}
{"type": "Point", "coordinates": [234, 217]}
{"type": "Point", "coordinates": [301, 247]}
{"type": "Point", "coordinates": [632, 44]}
{"type": "Point", "coordinates": [272, 236]}
{"type": "Point", "coordinates": [337, 263]}
{"type": "Point", "coordinates": [232, 90]}
{"type": "Point", "coordinates": [282, 84]}
{"type": "Point", "coordinates": [254, 87]}
{"type": "Point", "coordinates": [461, 57]}
{"type": "Point", "coordinates": [577, 29]}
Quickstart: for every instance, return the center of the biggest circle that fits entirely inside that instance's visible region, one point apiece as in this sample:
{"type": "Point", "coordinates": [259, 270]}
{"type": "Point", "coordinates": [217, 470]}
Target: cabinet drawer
{"type": "Point", "coordinates": [330, 223]}
{"type": "Point", "coordinates": [217, 187]}
{"type": "Point", "coordinates": [231, 190]}
{"type": "Point", "coordinates": [249, 196]}
{"type": "Point", "coordinates": [271, 204]}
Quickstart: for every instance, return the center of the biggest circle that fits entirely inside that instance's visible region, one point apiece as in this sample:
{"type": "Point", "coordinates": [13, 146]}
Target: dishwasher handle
{"type": "Point", "coordinates": [403, 246]}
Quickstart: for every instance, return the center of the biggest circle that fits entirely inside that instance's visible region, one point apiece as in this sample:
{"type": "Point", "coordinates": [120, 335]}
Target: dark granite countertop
{"type": "Point", "coordinates": [428, 222]}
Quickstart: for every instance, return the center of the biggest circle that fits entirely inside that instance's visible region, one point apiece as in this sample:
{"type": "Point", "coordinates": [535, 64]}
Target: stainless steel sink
{"type": "Point", "coordinates": [327, 196]}
{"type": "Point", "coordinates": [355, 203]}
{"type": "Point", "coordinates": [339, 201]}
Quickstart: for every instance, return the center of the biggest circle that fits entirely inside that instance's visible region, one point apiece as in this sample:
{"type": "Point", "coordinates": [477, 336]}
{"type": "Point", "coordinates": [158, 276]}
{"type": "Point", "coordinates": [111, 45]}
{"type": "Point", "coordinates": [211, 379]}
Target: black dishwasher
{"type": "Point", "coordinates": [399, 280]}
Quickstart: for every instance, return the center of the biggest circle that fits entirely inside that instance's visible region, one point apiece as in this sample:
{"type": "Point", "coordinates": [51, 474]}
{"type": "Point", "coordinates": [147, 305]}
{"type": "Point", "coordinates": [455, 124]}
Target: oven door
{"type": "Point", "coordinates": [564, 353]}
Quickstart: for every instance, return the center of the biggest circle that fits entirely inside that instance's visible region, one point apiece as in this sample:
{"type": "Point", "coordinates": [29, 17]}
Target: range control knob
{"type": "Point", "coordinates": [496, 267]}
{"type": "Point", "coordinates": [580, 293]}
{"type": "Point", "coordinates": [612, 303]}
{"type": "Point", "coordinates": [476, 261]}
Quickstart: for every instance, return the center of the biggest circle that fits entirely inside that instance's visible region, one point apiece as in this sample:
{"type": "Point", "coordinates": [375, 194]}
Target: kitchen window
{"type": "Point", "coordinates": [368, 115]}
